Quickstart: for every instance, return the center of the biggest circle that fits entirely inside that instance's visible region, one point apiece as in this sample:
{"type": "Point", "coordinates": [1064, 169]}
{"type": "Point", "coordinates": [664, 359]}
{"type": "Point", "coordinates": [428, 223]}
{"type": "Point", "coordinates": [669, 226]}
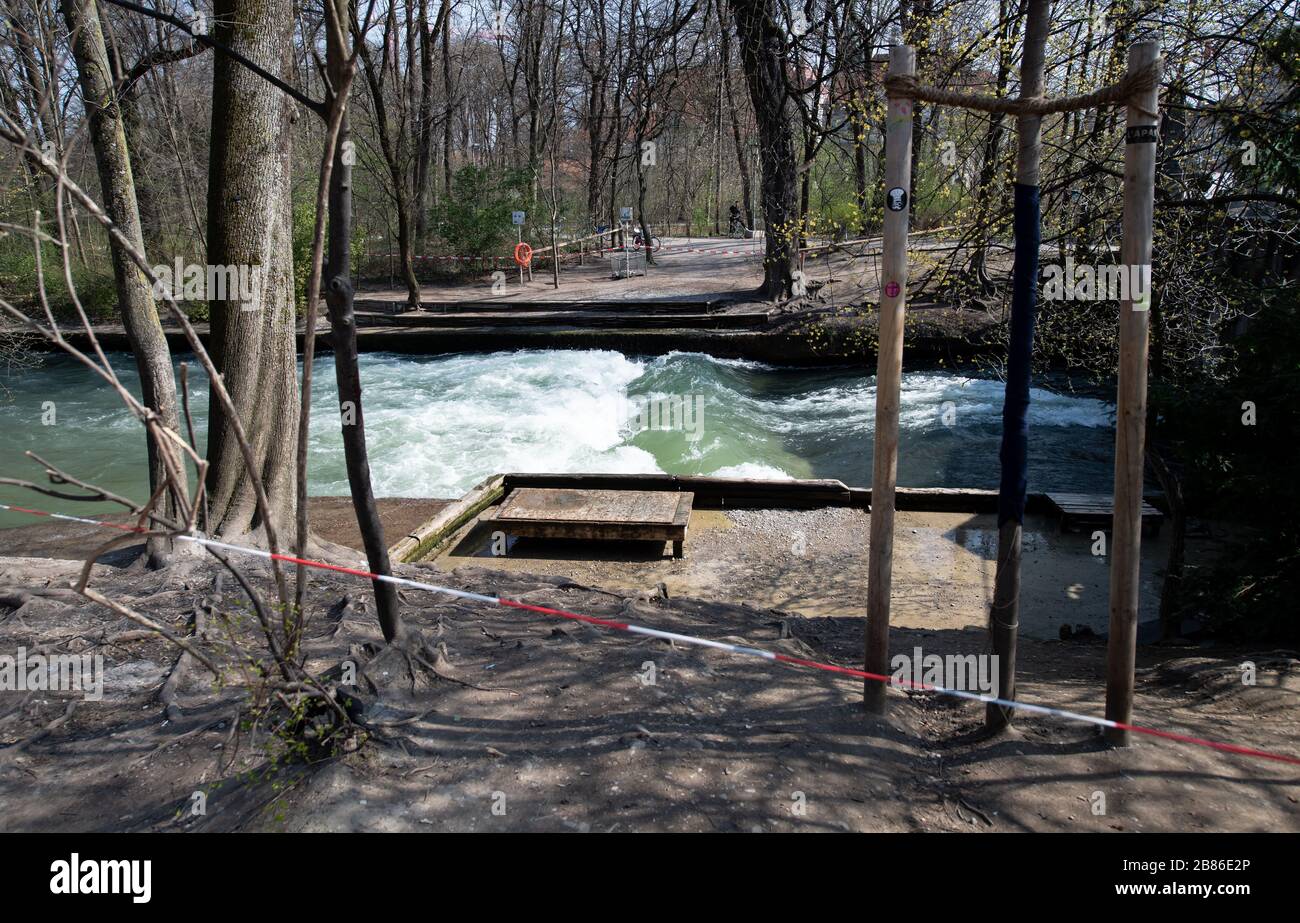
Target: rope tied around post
{"type": "Point", "coordinates": [906, 85]}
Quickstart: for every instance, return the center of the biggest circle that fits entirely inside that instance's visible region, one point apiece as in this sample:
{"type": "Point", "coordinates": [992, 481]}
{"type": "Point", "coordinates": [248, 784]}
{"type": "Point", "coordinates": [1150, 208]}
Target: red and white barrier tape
{"type": "Point", "coordinates": [695, 641]}
{"type": "Point", "coordinates": [716, 249]}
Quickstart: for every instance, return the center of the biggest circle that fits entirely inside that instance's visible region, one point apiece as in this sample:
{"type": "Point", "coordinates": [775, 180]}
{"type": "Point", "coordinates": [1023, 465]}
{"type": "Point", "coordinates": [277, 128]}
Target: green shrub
{"type": "Point", "coordinates": [475, 220]}
{"type": "Point", "coordinates": [94, 282]}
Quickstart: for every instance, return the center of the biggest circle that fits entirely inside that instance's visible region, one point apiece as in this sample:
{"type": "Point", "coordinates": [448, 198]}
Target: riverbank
{"type": "Point", "coordinates": [332, 519]}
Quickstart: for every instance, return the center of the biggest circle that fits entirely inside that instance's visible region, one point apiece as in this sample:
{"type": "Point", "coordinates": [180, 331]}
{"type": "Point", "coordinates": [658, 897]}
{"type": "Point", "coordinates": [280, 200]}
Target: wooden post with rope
{"type": "Point", "coordinates": [1141, 128]}
{"type": "Point", "coordinates": [1140, 90]}
{"type": "Point", "coordinates": [889, 372]}
{"type": "Point", "coordinates": [1004, 617]}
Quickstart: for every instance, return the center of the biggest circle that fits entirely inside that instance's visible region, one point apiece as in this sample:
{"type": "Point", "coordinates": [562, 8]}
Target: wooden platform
{"type": "Point", "coordinates": [1079, 510]}
{"type": "Point", "coordinates": [620, 515]}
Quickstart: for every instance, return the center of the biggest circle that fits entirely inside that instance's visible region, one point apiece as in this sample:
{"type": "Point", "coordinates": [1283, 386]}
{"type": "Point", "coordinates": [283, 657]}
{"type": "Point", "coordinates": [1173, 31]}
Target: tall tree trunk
{"type": "Point", "coordinates": [805, 187]}
{"type": "Point", "coordinates": [135, 297]}
{"type": "Point", "coordinates": [742, 160]}
{"type": "Point", "coordinates": [858, 125]}
{"type": "Point", "coordinates": [390, 145]}
{"type": "Point", "coordinates": [717, 152]}
{"type": "Point", "coordinates": [424, 130]}
{"type": "Point", "coordinates": [761, 52]}
{"type": "Point", "coordinates": [1169, 179]}
{"type": "Point", "coordinates": [449, 101]}
{"type": "Point", "coordinates": [250, 224]}
{"type": "Point", "coordinates": [39, 95]}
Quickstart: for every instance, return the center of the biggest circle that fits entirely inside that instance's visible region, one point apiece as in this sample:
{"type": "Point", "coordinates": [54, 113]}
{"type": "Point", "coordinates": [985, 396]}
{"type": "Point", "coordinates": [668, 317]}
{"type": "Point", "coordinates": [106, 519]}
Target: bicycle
{"type": "Point", "coordinates": [654, 245]}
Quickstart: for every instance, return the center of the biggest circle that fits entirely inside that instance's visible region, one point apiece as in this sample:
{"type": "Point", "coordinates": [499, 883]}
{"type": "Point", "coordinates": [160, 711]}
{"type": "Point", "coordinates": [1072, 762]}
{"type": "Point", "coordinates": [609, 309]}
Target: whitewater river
{"type": "Point", "coordinates": [438, 425]}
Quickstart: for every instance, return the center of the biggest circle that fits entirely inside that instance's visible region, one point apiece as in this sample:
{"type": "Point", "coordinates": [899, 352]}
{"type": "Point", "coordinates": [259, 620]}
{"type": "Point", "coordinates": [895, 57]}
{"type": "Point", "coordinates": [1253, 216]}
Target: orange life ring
{"type": "Point", "coordinates": [523, 254]}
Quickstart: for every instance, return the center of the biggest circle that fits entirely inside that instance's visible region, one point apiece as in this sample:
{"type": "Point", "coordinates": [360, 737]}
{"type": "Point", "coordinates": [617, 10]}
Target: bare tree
{"type": "Point", "coordinates": [135, 297]}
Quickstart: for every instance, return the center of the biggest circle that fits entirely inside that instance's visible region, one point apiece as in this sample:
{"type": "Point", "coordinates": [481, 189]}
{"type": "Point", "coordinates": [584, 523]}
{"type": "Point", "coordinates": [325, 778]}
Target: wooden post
{"type": "Point", "coordinates": [889, 371]}
{"type": "Point", "coordinates": [519, 238]}
{"type": "Point", "coordinates": [1141, 127]}
{"type": "Point", "coordinates": [1004, 618]}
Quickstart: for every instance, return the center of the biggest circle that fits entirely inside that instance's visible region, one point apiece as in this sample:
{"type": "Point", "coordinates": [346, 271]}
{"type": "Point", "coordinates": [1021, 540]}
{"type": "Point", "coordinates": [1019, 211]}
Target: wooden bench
{"type": "Point", "coordinates": [1080, 510]}
{"type": "Point", "coordinates": [618, 515]}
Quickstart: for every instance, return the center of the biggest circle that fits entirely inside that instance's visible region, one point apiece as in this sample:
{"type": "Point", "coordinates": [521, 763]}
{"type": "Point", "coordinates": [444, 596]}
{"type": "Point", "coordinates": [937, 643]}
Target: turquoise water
{"type": "Point", "coordinates": [438, 425]}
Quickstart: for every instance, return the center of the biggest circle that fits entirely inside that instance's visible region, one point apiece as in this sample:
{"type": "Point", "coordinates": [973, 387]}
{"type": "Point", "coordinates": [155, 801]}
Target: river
{"type": "Point", "coordinates": [438, 425]}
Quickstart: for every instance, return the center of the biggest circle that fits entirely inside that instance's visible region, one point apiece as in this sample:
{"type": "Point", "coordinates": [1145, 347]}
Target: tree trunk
{"type": "Point", "coordinates": [742, 161]}
{"type": "Point", "coordinates": [805, 188]}
{"type": "Point", "coordinates": [448, 102]}
{"type": "Point", "coordinates": [39, 96]}
{"type": "Point", "coordinates": [424, 132]}
{"type": "Point", "coordinates": [250, 225]}
{"type": "Point", "coordinates": [134, 295]}
{"type": "Point", "coordinates": [390, 146]}
{"type": "Point", "coordinates": [339, 298]}
{"type": "Point", "coordinates": [858, 125]}
{"type": "Point", "coordinates": [761, 43]}
{"type": "Point", "coordinates": [717, 154]}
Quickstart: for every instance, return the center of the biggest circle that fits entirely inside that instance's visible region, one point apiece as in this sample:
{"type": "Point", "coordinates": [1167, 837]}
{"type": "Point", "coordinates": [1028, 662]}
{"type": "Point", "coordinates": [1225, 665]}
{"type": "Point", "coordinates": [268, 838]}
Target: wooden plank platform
{"type": "Point", "coordinates": [710, 492]}
{"type": "Point", "coordinates": [1078, 510]}
{"type": "Point", "coordinates": [620, 515]}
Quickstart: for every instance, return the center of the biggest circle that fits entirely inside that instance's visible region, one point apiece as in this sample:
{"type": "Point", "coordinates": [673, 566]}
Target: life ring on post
{"type": "Point", "coordinates": [523, 254]}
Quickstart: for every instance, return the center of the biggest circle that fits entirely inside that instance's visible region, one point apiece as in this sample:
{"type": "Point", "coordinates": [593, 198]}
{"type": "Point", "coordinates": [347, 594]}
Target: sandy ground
{"type": "Point", "coordinates": [814, 563]}
{"type": "Point", "coordinates": [332, 518]}
{"type": "Point", "coordinates": [697, 269]}
{"type": "Point", "coordinates": [545, 724]}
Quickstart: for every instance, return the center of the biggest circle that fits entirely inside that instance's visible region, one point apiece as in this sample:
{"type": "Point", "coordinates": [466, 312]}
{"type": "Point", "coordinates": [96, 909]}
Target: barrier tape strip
{"type": "Point", "coordinates": [695, 641]}
{"type": "Point", "coordinates": [710, 248]}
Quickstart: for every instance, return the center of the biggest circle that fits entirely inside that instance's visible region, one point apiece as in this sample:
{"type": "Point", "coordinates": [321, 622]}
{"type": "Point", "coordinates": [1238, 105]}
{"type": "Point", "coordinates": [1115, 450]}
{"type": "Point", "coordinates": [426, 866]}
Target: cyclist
{"type": "Point", "coordinates": [735, 226]}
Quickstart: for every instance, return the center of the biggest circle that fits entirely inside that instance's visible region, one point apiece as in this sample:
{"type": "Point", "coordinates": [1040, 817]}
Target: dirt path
{"type": "Point", "coordinates": [694, 269]}
{"type": "Point", "coordinates": [698, 269]}
{"type": "Point", "coordinates": [559, 728]}
{"type": "Point", "coordinates": [332, 518]}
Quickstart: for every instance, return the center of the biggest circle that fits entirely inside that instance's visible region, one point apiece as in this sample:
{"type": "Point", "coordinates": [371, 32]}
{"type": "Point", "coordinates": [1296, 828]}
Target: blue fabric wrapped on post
{"type": "Point", "coordinates": [1014, 453]}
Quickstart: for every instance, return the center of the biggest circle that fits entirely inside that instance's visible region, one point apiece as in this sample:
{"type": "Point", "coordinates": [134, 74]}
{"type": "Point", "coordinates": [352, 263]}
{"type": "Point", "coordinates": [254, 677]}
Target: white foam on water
{"type": "Point", "coordinates": [436, 427]}
{"type": "Point", "coordinates": [752, 470]}
{"type": "Point", "coordinates": [439, 425]}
